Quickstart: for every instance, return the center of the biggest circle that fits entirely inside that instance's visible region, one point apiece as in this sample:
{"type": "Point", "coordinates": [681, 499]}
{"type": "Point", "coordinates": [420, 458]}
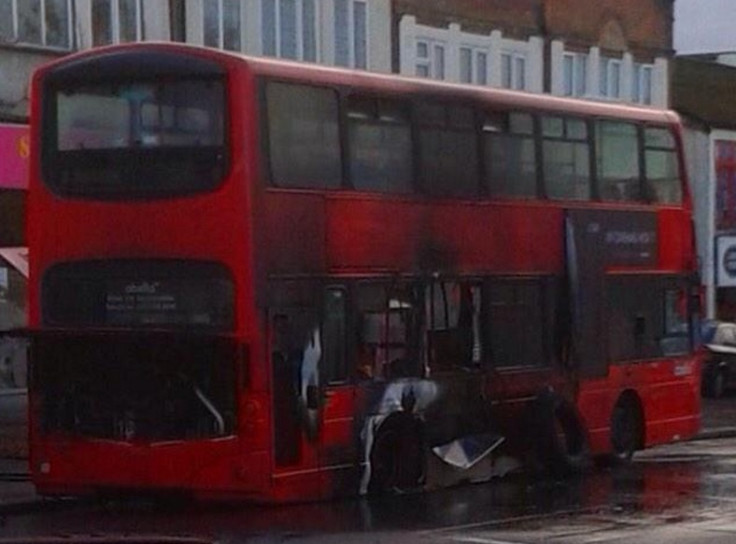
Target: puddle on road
{"type": "Point", "coordinates": [645, 487]}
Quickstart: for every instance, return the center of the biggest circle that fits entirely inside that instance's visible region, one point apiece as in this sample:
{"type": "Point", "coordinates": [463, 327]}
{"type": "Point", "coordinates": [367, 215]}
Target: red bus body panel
{"type": "Point", "coordinates": [257, 232]}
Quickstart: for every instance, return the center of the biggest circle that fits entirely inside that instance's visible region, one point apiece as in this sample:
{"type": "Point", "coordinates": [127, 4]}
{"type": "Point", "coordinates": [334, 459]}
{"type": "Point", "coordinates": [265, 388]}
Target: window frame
{"type": "Point", "coordinates": [43, 26]}
{"type": "Point", "coordinates": [566, 118]}
{"type": "Point", "coordinates": [547, 289]}
{"type": "Point", "coordinates": [658, 285]}
{"type": "Point", "coordinates": [347, 141]}
{"type": "Point", "coordinates": [352, 36]}
{"type": "Point", "coordinates": [641, 89]}
{"type": "Point", "coordinates": [421, 124]}
{"type": "Point", "coordinates": [609, 68]}
{"type": "Point", "coordinates": [115, 25]}
{"type": "Point", "coordinates": [479, 75]}
{"type": "Point", "coordinates": [513, 70]}
{"type": "Point", "coordinates": [267, 161]}
{"type": "Point", "coordinates": [646, 148]}
{"type": "Point", "coordinates": [52, 158]}
{"type": "Point", "coordinates": [534, 138]}
{"type": "Point", "coordinates": [221, 25]}
{"type": "Point", "coordinates": [578, 80]}
{"type": "Point", "coordinates": [299, 39]}
{"type": "Point", "coordinates": [435, 70]}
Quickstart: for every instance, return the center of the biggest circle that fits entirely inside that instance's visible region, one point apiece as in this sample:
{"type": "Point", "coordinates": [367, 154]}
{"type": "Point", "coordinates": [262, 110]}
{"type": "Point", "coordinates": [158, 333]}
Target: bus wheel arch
{"type": "Point", "coordinates": [559, 442]}
{"type": "Point", "coordinates": [627, 426]}
{"type": "Point", "coordinates": [397, 456]}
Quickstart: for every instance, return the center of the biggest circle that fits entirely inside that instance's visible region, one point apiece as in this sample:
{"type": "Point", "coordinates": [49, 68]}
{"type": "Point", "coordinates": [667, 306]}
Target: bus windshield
{"type": "Point", "coordinates": [137, 138]}
{"type": "Point", "coordinates": [173, 114]}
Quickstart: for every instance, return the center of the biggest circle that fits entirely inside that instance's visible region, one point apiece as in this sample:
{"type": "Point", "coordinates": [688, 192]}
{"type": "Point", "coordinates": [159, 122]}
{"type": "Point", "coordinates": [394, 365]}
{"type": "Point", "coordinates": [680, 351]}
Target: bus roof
{"type": "Point", "coordinates": [392, 84]}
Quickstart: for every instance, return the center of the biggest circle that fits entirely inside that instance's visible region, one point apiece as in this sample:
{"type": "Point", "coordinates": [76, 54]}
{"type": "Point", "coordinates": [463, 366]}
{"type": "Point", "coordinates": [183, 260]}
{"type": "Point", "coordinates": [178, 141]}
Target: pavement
{"type": "Point", "coordinates": [718, 420]}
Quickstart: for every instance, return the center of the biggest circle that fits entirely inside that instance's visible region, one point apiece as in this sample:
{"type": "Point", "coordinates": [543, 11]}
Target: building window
{"type": "Point", "coordinates": [610, 84]}
{"type": "Point", "coordinates": [351, 33]}
{"type": "Point", "coordinates": [222, 24]}
{"type": "Point", "coordinates": [513, 71]}
{"type": "Point", "coordinates": [473, 65]}
{"type": "Point", "coordinates": [116, 21]}
{"type": "Point", "coordinates": [575, 74]}
{"type": "Point", "coordinates": [642, 84]}
{"type": "Point", "coordinates": [289, 29]}
{"type": "Point", "coordinates": [38, 22]}
{"type": "Point", "coordinates": [430, 59]}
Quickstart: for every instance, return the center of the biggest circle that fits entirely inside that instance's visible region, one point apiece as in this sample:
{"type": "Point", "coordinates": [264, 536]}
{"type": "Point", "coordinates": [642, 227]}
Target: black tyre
{"type": "Point", "coordinates": [626, 429]}
{"type": "Point", "coordinates": [397, 456]}
{"type": "Point", "coordinates": [559, 445]}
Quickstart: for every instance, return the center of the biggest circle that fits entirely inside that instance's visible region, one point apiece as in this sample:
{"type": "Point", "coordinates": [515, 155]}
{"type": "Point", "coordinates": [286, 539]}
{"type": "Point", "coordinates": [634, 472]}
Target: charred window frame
{"type": "Point", "coordinates": [509, 154]}
{"type": "Point", "coordinates": [566, 158]}
{"type": "Point", "coordinates": [454, 323]}
{"type": "Point", "coordinates": [336, 368]}
{"type": "Point", "coordinates": [521, 321]}
{"type": "Point", "coordinates": [448, 156]}
{"type": "Point", "coordinates": [303, 307]}
{"type": "Point", "coordinates": [388, 317]}
{"type": "Point", "coordinates": [379, 144]}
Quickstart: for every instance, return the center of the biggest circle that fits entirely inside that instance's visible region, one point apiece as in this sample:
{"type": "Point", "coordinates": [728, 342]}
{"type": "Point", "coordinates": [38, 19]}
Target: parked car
{"type": "Point", "coordinates": [719, 369]}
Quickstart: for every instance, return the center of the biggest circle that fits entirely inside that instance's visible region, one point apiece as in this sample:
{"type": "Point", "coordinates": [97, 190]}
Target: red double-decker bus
{"type": "Point", "coordinates": [266, 280]}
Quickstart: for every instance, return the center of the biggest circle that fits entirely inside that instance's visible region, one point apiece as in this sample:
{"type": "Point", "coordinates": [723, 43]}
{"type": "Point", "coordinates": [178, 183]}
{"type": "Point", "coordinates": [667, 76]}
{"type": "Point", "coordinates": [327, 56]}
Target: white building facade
{"type": "Point", "coordinates": [349, 33]}
{"type": "Point", "coordinates": [493, 59]}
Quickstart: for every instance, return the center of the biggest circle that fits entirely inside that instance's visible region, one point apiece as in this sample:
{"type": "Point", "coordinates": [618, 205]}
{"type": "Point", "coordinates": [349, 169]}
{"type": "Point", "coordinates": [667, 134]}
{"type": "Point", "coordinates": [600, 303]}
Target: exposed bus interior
{"type": "Point", "coordinates": [135, 387]}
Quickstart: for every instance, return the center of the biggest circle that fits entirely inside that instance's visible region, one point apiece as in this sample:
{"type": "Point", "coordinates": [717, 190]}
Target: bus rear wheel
{"type": "Point", "coordinates": [626, 428]}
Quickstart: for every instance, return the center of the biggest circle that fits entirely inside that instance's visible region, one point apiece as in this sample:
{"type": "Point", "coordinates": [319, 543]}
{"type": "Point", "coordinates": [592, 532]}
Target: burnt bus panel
{"type": "Point", "coordinates": [133, 386]}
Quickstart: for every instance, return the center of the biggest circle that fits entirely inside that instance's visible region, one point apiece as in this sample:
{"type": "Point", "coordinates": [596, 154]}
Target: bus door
{"type": "Point", "coordinates": [313, 401]}
{"type": "Point", "coordinates": [597, 240]}
{"type": "Point", "coordinates": [335, 398]}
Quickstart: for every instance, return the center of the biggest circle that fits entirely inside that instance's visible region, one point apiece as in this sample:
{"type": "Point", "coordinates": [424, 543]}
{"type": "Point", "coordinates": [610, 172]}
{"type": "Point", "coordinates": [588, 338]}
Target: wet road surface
{"type": "Point", "coordinates": [681, 491]}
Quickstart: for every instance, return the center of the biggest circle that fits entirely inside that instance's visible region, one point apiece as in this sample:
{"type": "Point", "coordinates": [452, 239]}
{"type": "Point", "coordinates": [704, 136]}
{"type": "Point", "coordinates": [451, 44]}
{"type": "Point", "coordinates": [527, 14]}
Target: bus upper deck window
{"type": "Point", "coordinates": [663, 183]}
{"type": "Point", "coordinates": [136, 139]}
{"type": "Point", "coordinates": [617, 155]}
{"type": "Point", "coordinates": [511, 164]}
